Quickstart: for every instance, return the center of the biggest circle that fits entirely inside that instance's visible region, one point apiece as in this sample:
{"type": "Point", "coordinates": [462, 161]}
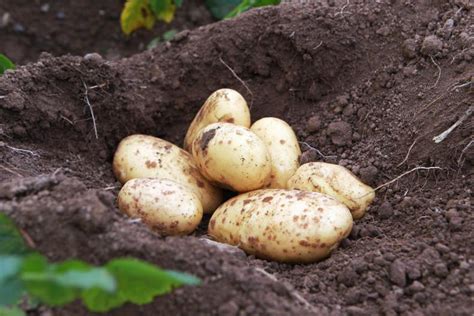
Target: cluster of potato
{"type": "Point", "coordinates": [283, 211]}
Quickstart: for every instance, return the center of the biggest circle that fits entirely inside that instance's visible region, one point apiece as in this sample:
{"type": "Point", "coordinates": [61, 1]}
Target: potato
{"type": "Point", "coordinates": [232, 157]}
{"type": "Point", "coordinates": [142, 156]}
{"type": "Point", "coordinates": [283, 148]}
{"type": "Point", "coordinates": [164, 205]}
{"type": "Point", "coordinates": [336, 181]}
{"type": "Point", "coordinates": [282, 225]}
{"type": "Point", "coordinates": [224, 105]}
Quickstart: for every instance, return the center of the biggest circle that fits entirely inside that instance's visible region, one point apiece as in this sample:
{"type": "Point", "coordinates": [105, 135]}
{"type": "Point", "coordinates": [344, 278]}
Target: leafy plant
{"type": "Point", "coordinates": [144, 13]}
{"type": "Point", "coordinates": [246, 5]}
{"type": "Point", "coordinates": [27, 273]}
{"type": "Point", "coordinates": [5, 64]}
{"type": "Point", "coordinates": [221, 8]}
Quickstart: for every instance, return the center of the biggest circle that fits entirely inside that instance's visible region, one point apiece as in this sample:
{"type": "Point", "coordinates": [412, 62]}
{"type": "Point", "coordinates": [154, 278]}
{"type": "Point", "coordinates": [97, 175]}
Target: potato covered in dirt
{"type": "Point", "coordinates": [282, 225]}
{"type": "Point", "coordinates": [224, 105]}
{"type": "Point", "coordinates": [164, 205]}
{"type": "Point", "coordinates": [142, 156]}
{"type": "Point", "coordinates": [232, 157]}
{"type": "Point", "coordinates": [283, 147]}
{"type": "Point", "coordinates": [336, 181]}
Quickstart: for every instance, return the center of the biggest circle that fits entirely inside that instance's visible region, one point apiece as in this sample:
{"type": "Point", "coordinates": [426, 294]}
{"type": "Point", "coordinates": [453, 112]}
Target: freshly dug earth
{"type": "Point", "coordinates": [368, 85]}
{"type": "Point", "coordinates": [59, 27]}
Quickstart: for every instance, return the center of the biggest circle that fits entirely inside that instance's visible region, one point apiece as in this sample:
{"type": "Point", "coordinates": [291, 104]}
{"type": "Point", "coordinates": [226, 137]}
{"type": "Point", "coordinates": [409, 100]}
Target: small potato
{"type": "Point", "coordinates": [164, 205]}
{"type": "Point", "coordinates": [282, 225]}
{"type": "Point", "coordinates": [336, 181]}
{"type": "Point", "coordinates": [142, 156]}
{"type": "Point", "coordinates": [224, 105]}
{"type": "Point", "coordinates": [283, 148]}
{"type": "Point", "coordinates": [232, 157]}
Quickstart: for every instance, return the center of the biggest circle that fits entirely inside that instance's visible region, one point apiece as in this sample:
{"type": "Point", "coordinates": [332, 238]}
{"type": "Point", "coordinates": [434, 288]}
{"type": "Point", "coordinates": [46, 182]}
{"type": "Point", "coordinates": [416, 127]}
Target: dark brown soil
{"type": "Point", "coordinates": [366, 84]}
{"type": "Point", "coordinates": [59, 27]}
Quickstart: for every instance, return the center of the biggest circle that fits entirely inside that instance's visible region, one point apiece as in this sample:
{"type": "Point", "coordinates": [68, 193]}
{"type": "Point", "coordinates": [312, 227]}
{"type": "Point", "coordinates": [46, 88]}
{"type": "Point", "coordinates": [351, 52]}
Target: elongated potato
{"type": "Point", "coordinates": [164, 205]}
{"type": "Point", "coordinates": [336, 181]}
{"type": "Point", "coordinates": [142, 156]}
{"type": "Point", "coordinates": [224, 105]}
{"type": "Point", "coordinates": [232, 157]}
{"type": "Point", "coordinates": [282, 225]}
{"type": "Point", "coordinates": [283, 148]}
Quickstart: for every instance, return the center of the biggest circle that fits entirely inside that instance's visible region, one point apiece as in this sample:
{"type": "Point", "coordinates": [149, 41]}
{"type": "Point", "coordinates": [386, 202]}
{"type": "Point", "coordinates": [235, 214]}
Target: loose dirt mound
{"type": "Point", "coordinates": [59, 27]}
{"type": "Point", "coordinates": [368, 85]}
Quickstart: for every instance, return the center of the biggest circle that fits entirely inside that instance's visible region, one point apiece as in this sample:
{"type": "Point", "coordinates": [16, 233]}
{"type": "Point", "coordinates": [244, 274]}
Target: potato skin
{"type": "Point", "coordinates": [336, 181]}
{"type": "Point", "coordinates": [282, 225]}
{"type": "Point", "coordinates": [283, 147]}
{"type": "Point", "coordinates": [232, 157]}
{"type": "Point", "coordinates": [143, 156]}
{"type": "Point", "coordinates": [165, 206]}
{"type": "Point", "coordinates": [223, 105]}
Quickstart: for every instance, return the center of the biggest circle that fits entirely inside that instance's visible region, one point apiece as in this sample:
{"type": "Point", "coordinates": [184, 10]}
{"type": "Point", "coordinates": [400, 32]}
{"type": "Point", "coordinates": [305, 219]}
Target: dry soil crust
{"type": "Point", "coordinates": [367, 84]}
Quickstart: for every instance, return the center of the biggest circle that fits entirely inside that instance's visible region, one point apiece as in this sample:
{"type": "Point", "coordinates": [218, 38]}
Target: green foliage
{"type": "Point", "coordinates": [11, 311]}
{"type": "Point", "coordinates": [137, 282]}
{"type": "Point", "coordinates": [165, 37]}
{"type": "Point", "coordinates": [221, 8]}
{"type": "Point", "coordinates": [5, 64]}
{"type": "Point", "coordinates": [246, 5]}
{"type": "Point", "coordinates": [138, 14]}
{"type": "Point", "coordinates": [163, 9]}
{"type": "Point", "coordinates": [11, 241]}
{"type": "Point", "coordinates": [23, 272]}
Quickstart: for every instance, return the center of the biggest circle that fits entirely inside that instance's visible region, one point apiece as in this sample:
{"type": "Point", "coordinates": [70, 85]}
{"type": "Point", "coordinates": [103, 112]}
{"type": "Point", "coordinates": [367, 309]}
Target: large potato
{"type": "Point", "coordinates": [282, 225]}
{"type": "Point", "coordinates": [336, 181]}
{"type": "Point", "coordinates": [232, 157]}
{"type": "Point", "coordinates": [224, 105]}
{"type": "Point", "coordinates": [142, 156]}
{"type": "Point", "coordinates": [283, 148]}
{"type": "Point", "coordinates": [164, 205]}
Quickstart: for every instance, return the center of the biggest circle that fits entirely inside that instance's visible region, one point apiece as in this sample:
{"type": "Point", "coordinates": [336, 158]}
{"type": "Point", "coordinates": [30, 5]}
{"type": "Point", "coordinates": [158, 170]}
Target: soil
{"type": "Point", "coordinates": [59, 27]}
{"type": "Point", "coordinates": [366, 85]}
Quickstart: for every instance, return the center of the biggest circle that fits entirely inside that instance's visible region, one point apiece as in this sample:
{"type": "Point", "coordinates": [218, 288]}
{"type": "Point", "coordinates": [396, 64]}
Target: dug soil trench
{"type": "Point", "coordinates": [365, 85]}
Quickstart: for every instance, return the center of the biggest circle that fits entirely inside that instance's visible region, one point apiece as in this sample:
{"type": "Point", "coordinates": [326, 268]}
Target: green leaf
{"type": "Point", "coordinates": [94, 278]}
{"type": "Point", "coordinates": [136, 14]}
{"type": "Point", "coordinates": [38, 278]}
{"type": "Point", "coordinates": [163, 9]}
{"type": "Point", "coordinates": [140, 281]}
{"type": "Point", "coordinates": [178, 3]}
{"type": "Point", "coordinates": [58, 284]}
{"type": "Point", "coordinates": [137, 282]}
{"type": "Point", "coordinates": [9, 267]}
{"type": "Point", "coordinates": [246, 5]}
{"type": "Point", "coordinates": [153, 43]}
{"type": "Point", "coordinates": [11, 287]}
{"type": "Point", "coordinates": [11, 241]}
{"type": "Point", "coordinates": [11, 292]}
{"type": "Point", "coordinates": [78, 274]}
{"type": "Point", "coordinates": [184, 278]}
{"type": "Point", "coordinates": [220, 8]}
{"type": "Point", "coordinates": [168, 35]}
{"type": "Point", "coordinates": [11, 311]}
{"type": "Point", "coordinates": [97, 300]}
{"type": "Point", "coordinates": [5, 64]}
